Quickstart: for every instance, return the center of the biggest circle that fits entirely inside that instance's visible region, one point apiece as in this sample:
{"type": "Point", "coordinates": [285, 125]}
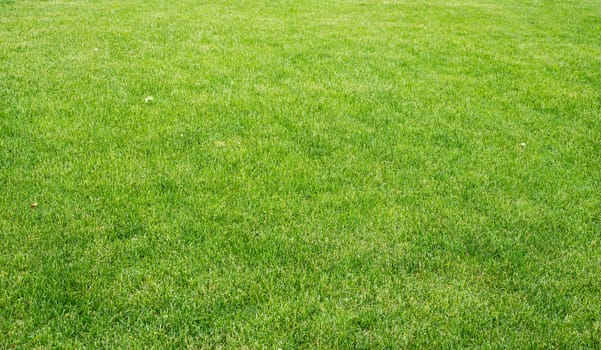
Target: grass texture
{"type": "Point", "coordinates": [300, 174]}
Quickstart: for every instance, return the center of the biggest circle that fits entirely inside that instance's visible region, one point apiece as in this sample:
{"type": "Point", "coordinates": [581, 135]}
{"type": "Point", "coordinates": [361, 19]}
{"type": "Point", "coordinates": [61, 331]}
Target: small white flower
{"type": "Point", "coordinates": [95, 49]}
{"type": "Point", "coordinates": [523, 144]}
{"type": "Point", "coordinates": [148, 99]}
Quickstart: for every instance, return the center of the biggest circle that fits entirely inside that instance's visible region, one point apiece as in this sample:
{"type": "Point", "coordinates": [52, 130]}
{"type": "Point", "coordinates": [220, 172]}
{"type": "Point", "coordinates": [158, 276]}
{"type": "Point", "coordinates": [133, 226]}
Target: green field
{"type": "Point", "coordinates": [300, 174]}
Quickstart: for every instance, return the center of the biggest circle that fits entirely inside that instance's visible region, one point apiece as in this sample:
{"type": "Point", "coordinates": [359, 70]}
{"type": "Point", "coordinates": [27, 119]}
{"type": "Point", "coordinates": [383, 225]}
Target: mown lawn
{"type": "Point", "coordinates": [307, 174]}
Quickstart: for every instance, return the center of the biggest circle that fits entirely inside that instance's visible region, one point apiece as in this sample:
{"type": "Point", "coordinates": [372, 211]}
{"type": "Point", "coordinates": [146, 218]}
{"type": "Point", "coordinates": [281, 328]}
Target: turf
{"type": "Point", "coordinates": [307, 174]}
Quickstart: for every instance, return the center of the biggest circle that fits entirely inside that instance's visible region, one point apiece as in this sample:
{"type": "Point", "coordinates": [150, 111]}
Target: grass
{"type": "Point", "coordinates": [308, 174]}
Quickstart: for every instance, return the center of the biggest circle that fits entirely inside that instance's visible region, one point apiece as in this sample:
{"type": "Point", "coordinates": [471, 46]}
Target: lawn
{"type": "Point", "coordinates": [300, 174]}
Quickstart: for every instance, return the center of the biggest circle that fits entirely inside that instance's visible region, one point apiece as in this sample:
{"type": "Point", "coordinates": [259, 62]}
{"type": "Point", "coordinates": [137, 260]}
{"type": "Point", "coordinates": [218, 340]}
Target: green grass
{"type": "Point", "coordinates": [309, 174]}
